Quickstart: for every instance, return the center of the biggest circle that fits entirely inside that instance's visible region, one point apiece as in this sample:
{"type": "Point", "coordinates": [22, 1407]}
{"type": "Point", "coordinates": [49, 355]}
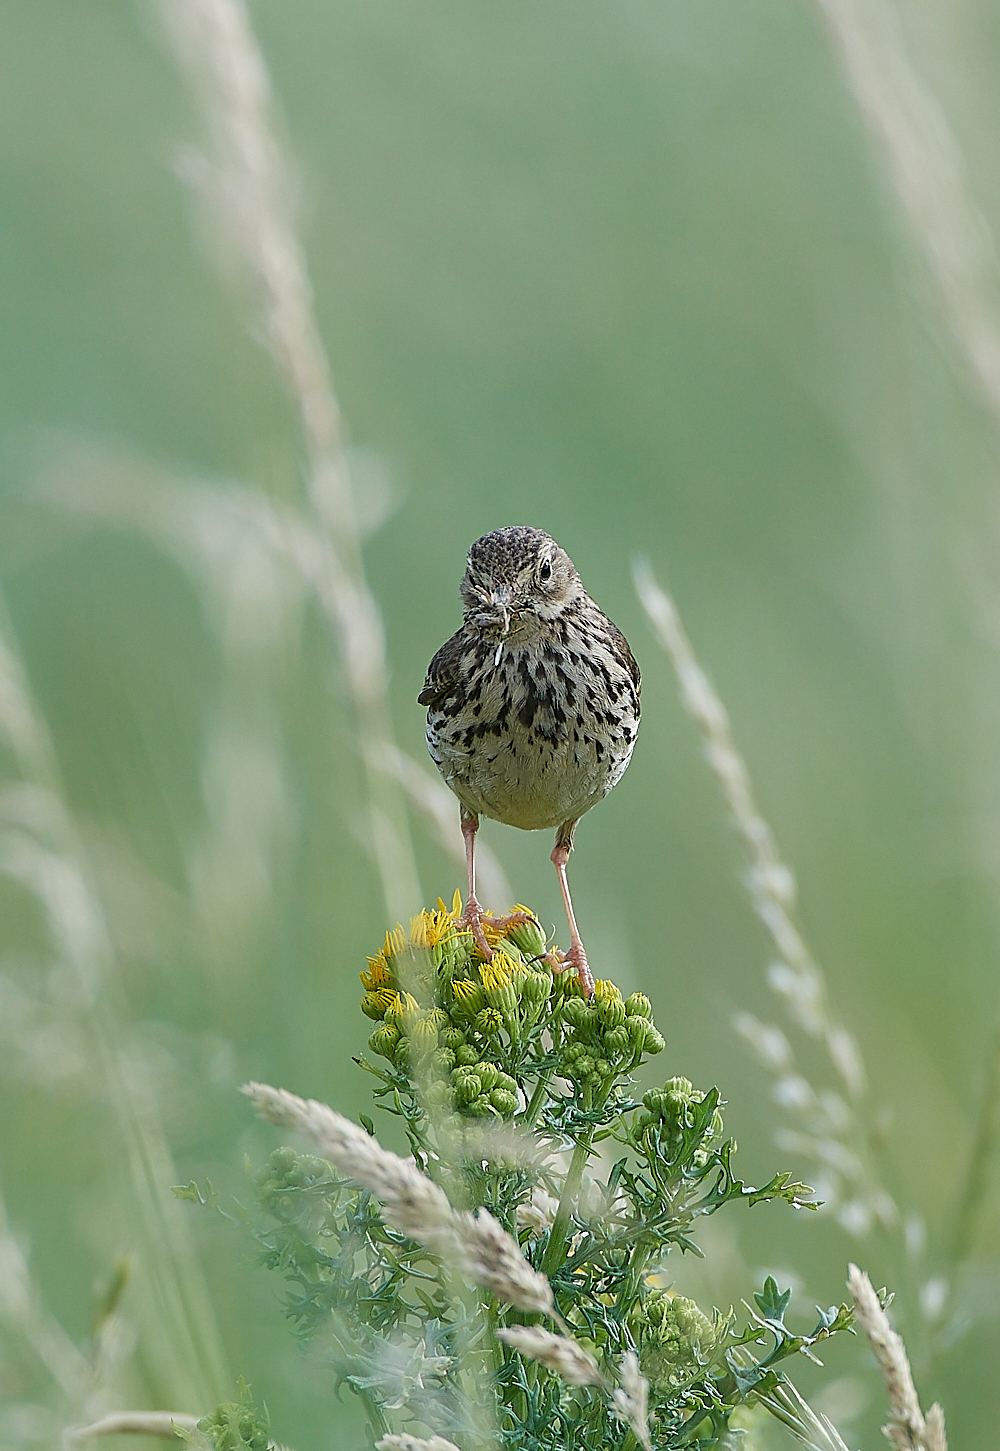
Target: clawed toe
{"type": "Point", "coordinates": [474, 918]}
{"type": "Point", "coordinates": [576, 958]}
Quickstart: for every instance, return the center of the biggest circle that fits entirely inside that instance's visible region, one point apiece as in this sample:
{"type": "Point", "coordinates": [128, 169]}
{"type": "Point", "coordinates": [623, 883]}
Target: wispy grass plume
{"type": "Point", "coordinates": [246, 181]}
{"type": "Point", "coordinates": [908, 1429]}
{"type": "Point", "coordinates": [41, 849]}
{"type": "Point", "coordinates": [829, 1127]}
{"type": "Point", "coordinates": [929, 176]}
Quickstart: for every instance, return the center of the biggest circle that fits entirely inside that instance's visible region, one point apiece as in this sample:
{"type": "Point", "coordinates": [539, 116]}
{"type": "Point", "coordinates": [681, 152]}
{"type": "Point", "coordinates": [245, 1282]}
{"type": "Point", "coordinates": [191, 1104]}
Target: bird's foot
{"type": "Point", "coordinates": [576, 958]}
{"type": "Point", "coordinates": [480, 922]}
{"type": "Point", "coordinates": [472, 920]}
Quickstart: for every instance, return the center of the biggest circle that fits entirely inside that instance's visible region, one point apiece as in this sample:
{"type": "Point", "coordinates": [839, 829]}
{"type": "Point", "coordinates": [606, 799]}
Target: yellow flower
{"type": "Point", "coordinates": [456, 905]}
{"type": "Point", "coordinates": [494, 935]}
{"type": "Point", "coordinates": [500, 972]}
{"type": "Point", "coordinates": [402, 1006]}
{"type": "Point", "coordinates": [424, 1033]}
{"type": "Point", "coordinates": [387, 1000]}
{"type": "Point", "coordinates": [378, 974]}
{"type": "Point", "coordinates": [605, 988]}
{"type": "Point", "coordinates": [395, 943]}
{"type": "Point", "coordinates": [427, 929]}
{"type": "Point", "coordinates": [464, 989]}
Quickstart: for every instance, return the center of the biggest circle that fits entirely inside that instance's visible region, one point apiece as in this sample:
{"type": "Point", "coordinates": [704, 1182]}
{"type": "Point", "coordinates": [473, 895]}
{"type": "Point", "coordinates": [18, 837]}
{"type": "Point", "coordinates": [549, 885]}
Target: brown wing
{"type": "Point", "coordinates": [443, 673]}
{"type": "Point", "coordinates": [623, 651]}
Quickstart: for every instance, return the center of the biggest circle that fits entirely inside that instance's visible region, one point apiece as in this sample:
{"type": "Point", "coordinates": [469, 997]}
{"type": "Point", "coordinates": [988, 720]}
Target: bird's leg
{"type": "Point", "coordinates": [474, 916]}
{"type": "Point", "coordinates": [577, 955]}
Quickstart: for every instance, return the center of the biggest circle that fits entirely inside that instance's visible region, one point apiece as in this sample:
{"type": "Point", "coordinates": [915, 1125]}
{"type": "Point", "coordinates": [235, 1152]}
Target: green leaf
{"type": "Point", "coordinates": [772, 1302]}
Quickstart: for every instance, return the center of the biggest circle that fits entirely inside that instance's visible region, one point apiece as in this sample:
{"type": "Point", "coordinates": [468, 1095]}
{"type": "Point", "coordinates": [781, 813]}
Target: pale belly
{"type": "Point", "coordinates": [531, 768]}
{"type": "Point", "coordinates": [524, 786]}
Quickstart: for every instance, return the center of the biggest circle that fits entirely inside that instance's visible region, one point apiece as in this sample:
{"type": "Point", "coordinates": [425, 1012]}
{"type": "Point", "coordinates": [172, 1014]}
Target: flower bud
{"type": "Point", "coordinates": [423, 1034]}
{"type": "Point", "coordinates": [611, 1012]}
{"type": "Point", "coordinates": [584, 1066]}
{"type": "Point", "coordinates": [636, 1029]}
{"type": "Point", "coordinates": [528, 938]}
{"type": "Point", "coordinates": [467, 1089]}
{"type": "Point", "coordinates": [503, 999]}
{"type": "Point", "coordinates": [488, 1075]}
{"type": "Point", "coordinates": [503, 1101]}
{"type": "Point", "coordinates": [469, 996]}
{"type": "Point", "coordinates": [535, 987]}
{"type": "Point", "coordinates": [384, 1039]}
{"type": "Point", "coordinates": [575, 1012]}
{"type": "Point", "coordinates": [371, 1006]}
{"type": "Point", "coordinates": [403, 1006]}
{"type": "Point", "coordinates": [655, 1041]}
{"type": "Point", "coordinates": [638, 1006]}
{"type": "Point", "coordinates": [444, 1060]}
{"type": "Point", "coordinates": [437, 1095]}
{"type": "Point", "coordinates": [489, 1022]}
{"type": "Point", "coordinates": [453, 1038]}
{"type": "Point", "coordinates": [401, 1055]}
{"type": "Point", "coordinates": [602, 1068]}
{"type": "Point", "coordinates": [616, 1040]}
{"type": "Point", "coordinates": [481, 1107]}
{"type": "Point", "coordinates": [466, 1056]}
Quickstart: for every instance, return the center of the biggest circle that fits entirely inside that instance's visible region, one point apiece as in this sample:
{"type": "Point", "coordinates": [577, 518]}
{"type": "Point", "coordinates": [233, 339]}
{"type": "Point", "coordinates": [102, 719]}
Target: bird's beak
{"type": "Point", "coordinates": [500, 600]}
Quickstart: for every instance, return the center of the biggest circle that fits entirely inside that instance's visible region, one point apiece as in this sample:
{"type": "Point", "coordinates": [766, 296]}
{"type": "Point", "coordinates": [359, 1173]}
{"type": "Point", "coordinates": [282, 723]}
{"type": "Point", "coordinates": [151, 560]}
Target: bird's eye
{"type": "Point", "coordinates": [545, 573]}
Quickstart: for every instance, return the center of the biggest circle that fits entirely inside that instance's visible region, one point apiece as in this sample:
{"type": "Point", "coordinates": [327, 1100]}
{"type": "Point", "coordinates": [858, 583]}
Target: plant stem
{"type": "Point", "coordinates": [555, 1253]}
{"type": "Point", "coordinates": [983, 1151]}
{"type": "Point", "coordinates": [535, 1102]}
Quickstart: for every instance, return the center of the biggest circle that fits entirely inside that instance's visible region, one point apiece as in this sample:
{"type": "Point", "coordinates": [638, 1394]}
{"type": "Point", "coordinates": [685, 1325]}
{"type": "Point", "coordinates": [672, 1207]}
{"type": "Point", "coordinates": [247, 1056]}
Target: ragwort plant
{"type": "Point", "coordinates": [517, 1098]}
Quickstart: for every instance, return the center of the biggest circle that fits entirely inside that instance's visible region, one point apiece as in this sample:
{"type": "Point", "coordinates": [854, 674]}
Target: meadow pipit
{"type": "Point", "coordinates": [533, 707]}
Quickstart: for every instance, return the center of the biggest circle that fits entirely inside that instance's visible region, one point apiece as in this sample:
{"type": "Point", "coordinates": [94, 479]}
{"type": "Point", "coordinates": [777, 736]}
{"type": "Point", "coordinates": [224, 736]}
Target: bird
{"type": "Point", "coordinates": [532, 707]}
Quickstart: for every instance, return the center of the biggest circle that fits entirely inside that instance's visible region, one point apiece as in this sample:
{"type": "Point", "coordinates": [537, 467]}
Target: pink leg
{"type": "Point", "coordinates": [473, 916]}
{"type": "Point", "coordinates": [577, 955]}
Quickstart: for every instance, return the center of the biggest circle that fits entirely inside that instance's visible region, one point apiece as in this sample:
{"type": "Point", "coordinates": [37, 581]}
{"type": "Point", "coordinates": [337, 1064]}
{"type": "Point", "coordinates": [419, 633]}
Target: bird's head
{"type": "Point", "coordinates": [516, 575]}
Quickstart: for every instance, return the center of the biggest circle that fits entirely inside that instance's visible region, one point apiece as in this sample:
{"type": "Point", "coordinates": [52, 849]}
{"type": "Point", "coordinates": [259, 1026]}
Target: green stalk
{"type": "Point", "coordinates": [983, 1151]}
{"type": "Point", "coordinates": [555, 1252]}
{"type": "Point", "coordinates": [535, 1102]}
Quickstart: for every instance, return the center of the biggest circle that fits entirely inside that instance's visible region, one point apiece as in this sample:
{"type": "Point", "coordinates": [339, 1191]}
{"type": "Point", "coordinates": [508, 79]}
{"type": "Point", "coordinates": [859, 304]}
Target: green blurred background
{"type": "Point", "coordinates": [634, 273]}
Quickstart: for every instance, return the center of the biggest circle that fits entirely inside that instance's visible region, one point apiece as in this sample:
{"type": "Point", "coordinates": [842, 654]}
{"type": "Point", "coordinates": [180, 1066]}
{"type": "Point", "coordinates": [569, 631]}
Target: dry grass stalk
{"type": "Point", "coordinates": [136, 1423]}
{"type": "Point", "coordinates": [248, 183]}
{"type": "Point", "coordinates": [558, 1353]}
{"type": "Point", "coordinates": [930, 176]}
{"type": "Point", "coordinates": [406, 1442]}
{"type": "Point", "coordinates": [630, 1401]}
{"type": "Point", "coordinates": [907, 1428]}
{"type": "Point", "coordinates": [475, 1245]}
{"type": "Point", "coordinates": [772, 884]}
{"type": "Point", "coordinates": [796, 976]}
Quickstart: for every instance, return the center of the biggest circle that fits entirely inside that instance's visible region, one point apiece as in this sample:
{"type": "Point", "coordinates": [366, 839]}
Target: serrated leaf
{"type": "Point", "coordinates": [187, 1191]}
{"type": "Point", "coordinates": [772, 1302]}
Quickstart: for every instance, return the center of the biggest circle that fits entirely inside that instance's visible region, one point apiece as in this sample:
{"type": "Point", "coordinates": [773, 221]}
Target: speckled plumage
{"type": "Point", "coordinates": [533, 706]}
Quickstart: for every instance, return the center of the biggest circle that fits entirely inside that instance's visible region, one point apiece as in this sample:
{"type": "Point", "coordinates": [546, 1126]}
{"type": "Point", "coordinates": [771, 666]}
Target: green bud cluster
{"type": "Point", "coordinates": [674, 1338]}
{"type": "Point", "coordinates": [668, 1112]}
{"type": "Point", "coordinates": [238, 1425]}
{"type": "Point", "coordinates": [606, 1035]}
{"type": "Point", "coordinates": [481, 1089]}
{"type": "Point", "coordinates": [285, 1174]}
{"type": "Point", "coordinates": [472, 1039]}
